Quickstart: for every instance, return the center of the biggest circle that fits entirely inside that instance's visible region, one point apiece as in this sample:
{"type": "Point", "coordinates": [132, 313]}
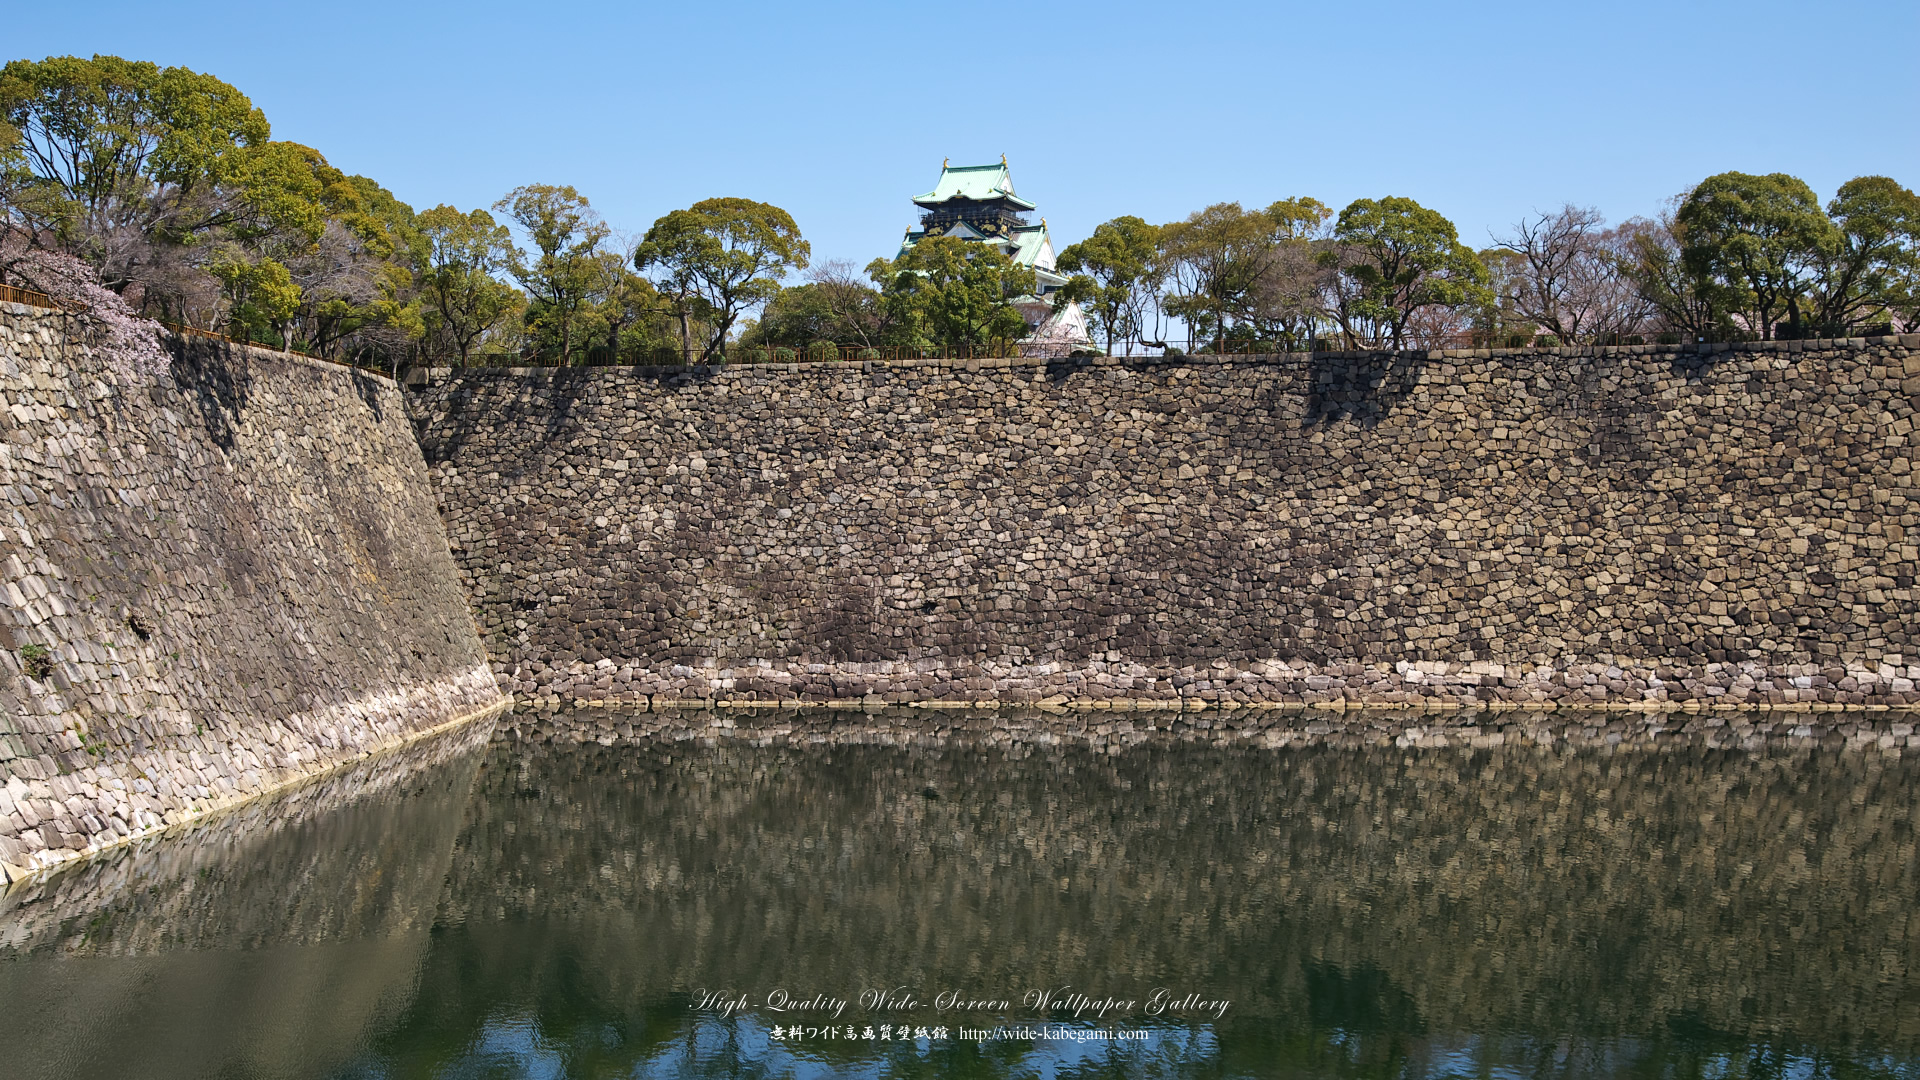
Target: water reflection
{"type": "Point", "coordinates": [1664, 907]}
{"type": "Point", "coordinates": [265, 943]}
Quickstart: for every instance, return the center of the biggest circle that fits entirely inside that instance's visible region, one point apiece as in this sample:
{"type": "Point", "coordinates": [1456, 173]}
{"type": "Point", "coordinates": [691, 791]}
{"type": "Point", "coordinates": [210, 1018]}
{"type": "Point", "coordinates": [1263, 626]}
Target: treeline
{"type": "Point", "coordinates": [166, 186]}
{"type": "Point", "coordinates": [1738, 257]}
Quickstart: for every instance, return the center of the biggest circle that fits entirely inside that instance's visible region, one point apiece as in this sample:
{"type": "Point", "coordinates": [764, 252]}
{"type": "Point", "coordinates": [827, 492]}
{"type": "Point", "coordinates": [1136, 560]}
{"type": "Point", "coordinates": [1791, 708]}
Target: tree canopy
{"type": "Point", "coordinates": [945, 292]}
{"type": "Point", "coordinates": [168, 186]}
{"type": "Point", "coordinates": [1759, 241]}
{"type": "Point", "coordinates": [1215, 260]}
{"type": "Point", "coordinates": [562, 271]}
{"type": "Point", "coordinates": [720, 257]}
{"type": "Point", "coordinates": [1119, 273]}
{"type": "Point", "coordinates": [1393, 259]}
{"type": "Point", "coordinates": [103, 152]}
{"type": "Point", "coordinates": [459, 260]}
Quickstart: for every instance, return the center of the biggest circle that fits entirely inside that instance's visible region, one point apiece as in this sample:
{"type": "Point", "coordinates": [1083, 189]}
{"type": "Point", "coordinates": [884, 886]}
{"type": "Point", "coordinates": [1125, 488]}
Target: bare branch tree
{"type": "Point", "coordinates": [1569, 281]}
{"type": "Point", "coordinates": [854, 305]}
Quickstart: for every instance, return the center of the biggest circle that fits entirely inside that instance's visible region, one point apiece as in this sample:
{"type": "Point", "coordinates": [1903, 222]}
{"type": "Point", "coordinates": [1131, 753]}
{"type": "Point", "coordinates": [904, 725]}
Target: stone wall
{"type": "Point", "coordinates": [213, 581]}
{"type": "Point", "coordinates": [1622, 526]}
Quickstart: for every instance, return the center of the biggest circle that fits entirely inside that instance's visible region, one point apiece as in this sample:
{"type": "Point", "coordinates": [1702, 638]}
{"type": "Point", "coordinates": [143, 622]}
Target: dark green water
{"type": "Point", "coordinates": [558, 909]}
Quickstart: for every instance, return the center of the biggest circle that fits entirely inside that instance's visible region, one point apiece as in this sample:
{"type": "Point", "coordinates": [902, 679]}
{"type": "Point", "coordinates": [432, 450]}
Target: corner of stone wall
{"type": "Point", "coordinates": [214, 581]}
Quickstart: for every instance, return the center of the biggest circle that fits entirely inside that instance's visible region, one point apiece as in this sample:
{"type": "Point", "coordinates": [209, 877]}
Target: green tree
{"type": "Point", "coordinates": [567, 235]}
{"type": "Point", "coordinates": [834, 306]}
{"type": "Point", "coordinates": [109, 155]}
{"type": "Point", "coordinates": [626, 308]}
{"type": "Point", "coordinates": [1395, 259]}
{"type": "Point", "coordinates": [718, 258]}
{"type": "Point", "coordinates": [342, 241]}
{"type": "Point", "coordinates": [262, 295]}
{"type": "Point", "coordinates": [1762, 241]}
{"type": "Point", "coordinates": [1118, 274]}
{"type": "Point", "coordinates": [1214, 260]}
{"type": "Point", "coordinates": [167, 183]}
{"type": "Point", "coordinates": [1874, 268]}
{"type": "Point", "coordinates": [1499, 320]}
{"type": "Point", "coordinates": [948, 292]}
{"type": "Point", "coordinates": [458, 263]}
{"type": "Point", "coordinates": [796, 317]}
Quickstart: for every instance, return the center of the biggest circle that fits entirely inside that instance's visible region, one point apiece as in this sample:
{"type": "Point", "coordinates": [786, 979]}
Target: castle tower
{"type": "Point", "coordinates": [978, 203]}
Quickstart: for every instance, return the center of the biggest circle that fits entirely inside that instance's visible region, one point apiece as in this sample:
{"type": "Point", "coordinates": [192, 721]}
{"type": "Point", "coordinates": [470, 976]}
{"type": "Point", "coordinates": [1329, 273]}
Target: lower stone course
{"type": "Point", "coordinates": [1889, 733]}
{"type": "Point", "coordinates": [1419, 685]}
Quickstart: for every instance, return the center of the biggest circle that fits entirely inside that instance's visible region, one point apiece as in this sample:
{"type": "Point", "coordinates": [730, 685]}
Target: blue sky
{"type": "Point", "coordinates": [841, 112]}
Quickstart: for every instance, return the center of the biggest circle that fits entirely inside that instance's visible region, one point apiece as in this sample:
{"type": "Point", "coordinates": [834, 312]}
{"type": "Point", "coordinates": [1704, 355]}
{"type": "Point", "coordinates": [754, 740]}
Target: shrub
{"type": "Point", "coordinates": [36, 661]}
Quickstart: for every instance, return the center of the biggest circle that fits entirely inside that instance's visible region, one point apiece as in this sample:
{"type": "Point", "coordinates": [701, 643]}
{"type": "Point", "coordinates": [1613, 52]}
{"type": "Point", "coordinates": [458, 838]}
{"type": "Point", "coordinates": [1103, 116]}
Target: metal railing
{"type": "Point", "coordinates": [210, 335]}
{"type": "Point", "coordinates": [14, 295]}
{"type": "Point", "coordinates": [763, 354]}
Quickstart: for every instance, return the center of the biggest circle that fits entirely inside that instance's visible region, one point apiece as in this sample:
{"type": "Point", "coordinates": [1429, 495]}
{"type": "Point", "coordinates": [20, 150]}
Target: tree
{"type": "Point", "coordinates": [1565, 277]}
{"type": "Point", "coordinates": [1499, 320]}
{"type": "Point", "coordinates": [262, 295]}
{"type": "Point", "coordinates": [830, 308]}
{"type": "Point", "coordinates": [1214, 260]}
{"type": "Point", "coordinates": [1686, 304]}
{"type": "Point", "coordinates": [567, 235]}
{"type": "Point", "coordinates": [127, 342]}
{"type": "Point", "coordinates": [795, 318]}
{"type": "Point", "coordinates": [1118, 276]}
{"type": "Point", "coordinates": [336, 237]}
{"type": "Point", "coordinates": [625, 305]}
{"type": "Point", "coordinates": [1762, 240]}
{"type": "Point", "coordinates": [457, 265]}
{"type": "Point", "coordinates": [1873, 271]}
{"type": "Point", "coordinates": [166, 182]}
{"type": "Point", "coordinates": [857, 311]}
{"type": "Point", "coordinates": [1395, 259]}
{"type": "Point", "coordinates": [1288, 301]}
{"type": "Point", "coordinates": [107, 158]}
{"type": "Point", "coordinates": [948, 292]}
{"type": "Point", "coordinates": [718, 258]}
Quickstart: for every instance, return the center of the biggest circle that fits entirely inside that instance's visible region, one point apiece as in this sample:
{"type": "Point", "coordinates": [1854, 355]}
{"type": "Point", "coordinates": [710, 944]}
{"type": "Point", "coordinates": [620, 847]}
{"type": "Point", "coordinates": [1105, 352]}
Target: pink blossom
{"type": "Point", "coordinates": [127, 342]}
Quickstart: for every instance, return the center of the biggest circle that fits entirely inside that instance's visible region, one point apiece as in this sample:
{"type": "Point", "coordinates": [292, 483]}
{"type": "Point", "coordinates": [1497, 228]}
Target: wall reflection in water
{"type": "Point", "coordinates": [263, 943]}
{"type": "Point", "coordinates": [1658, 909]}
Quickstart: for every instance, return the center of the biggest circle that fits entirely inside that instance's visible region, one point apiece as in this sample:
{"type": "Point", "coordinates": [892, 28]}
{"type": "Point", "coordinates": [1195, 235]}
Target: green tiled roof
{"type": "Point", "coordinates": [981, 183]}
{"type": "Point", "coordinates": [1028, 241]}
{"type": "Point", "coordinates": [1022, 245]}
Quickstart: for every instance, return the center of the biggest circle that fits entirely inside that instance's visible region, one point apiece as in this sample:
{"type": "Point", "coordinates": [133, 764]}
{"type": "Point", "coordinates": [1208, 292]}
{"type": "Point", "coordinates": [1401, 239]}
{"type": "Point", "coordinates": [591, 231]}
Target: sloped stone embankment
{"type": "Point", "coordinates": [213, 581]}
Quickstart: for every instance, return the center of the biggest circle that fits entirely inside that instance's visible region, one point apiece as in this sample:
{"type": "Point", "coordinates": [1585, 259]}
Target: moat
{"type": "Point", "coordinates": [597, 894]}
